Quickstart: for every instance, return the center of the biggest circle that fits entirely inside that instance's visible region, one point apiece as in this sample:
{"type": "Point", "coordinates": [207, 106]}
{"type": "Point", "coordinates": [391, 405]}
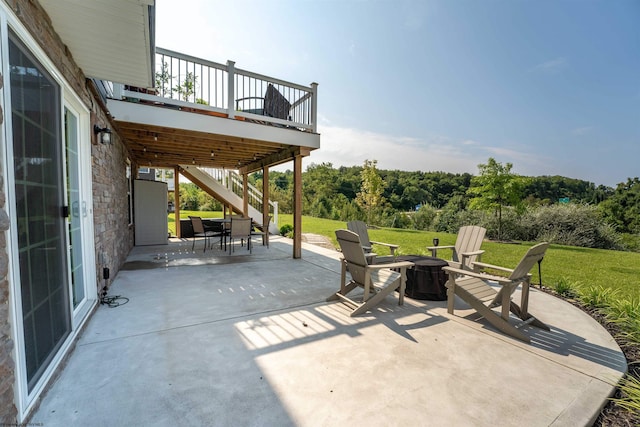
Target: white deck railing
{"type": "Point", "coordinates": [183, 80]}
{"type": "Point", "coordinates": [233, 182]}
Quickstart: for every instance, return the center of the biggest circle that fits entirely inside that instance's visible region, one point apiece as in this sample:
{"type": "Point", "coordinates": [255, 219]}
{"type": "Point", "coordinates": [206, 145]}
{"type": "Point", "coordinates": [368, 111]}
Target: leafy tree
{"type": "Point", "coordinates": [162, 79]}
{"type": "Point", "coordinates": [370, 196]}
{"type": "Point", "coordinates": [549, 189]}
{"type": "Point", "coordinates": [494, 188]}
{"type": "Point", "coordinates": [187, 88]}
{"type": "Point", "coordinates": [189, 197]}
{"type": "Point", "coordinates": [622, 209]}
{"type": "Point", "coordinates": [424, 217]}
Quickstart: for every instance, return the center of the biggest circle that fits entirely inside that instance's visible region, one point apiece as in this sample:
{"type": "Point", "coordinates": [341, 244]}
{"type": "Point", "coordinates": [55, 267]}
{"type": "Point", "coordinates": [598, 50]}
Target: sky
{"type": "Point", "coordinates": [551, 86]}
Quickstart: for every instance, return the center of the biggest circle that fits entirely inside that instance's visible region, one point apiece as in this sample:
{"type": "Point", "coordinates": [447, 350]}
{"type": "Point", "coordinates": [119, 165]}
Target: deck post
{"type": "Point", "coordinates": [231, 71]}
{"type": "Point", "coordinates": [245, 195]}
{"type": "Point", "coordinates": [314, 108]}
{"type": "Point", "coordinates": [265, 203]}
{"type": "Point", "coordinates": [176, 200]}
{"type": "Point", "coordinates": [297, 206]}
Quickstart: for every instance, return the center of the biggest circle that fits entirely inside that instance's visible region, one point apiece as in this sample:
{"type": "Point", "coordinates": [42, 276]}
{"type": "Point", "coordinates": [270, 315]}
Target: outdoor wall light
{"type": "Point", "coordinates": [105, 134]}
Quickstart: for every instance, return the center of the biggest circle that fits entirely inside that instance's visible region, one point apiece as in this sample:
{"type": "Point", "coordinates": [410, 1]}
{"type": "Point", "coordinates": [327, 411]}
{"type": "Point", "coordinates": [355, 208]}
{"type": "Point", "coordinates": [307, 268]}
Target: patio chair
{"type": "Point", "coordinates": [262, 230]}
{"type": "Point", "coordinates": [474, 289]}
{"type": "Point", "coordinates": [378, 280]}
{"type": "Point", "coordinates": [240, 229]}
{"type": "Point", "coordinates": [360, 228]}
{"type": "Point", "coordinates": [199, 231]}
{"type": "Point", "coordinates": [275, 104]}
{"type": "Point", "coordinates": [467, 248]}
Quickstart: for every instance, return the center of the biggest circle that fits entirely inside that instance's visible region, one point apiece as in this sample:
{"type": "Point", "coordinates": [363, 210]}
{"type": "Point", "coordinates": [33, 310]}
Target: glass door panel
{"type": "Point", "coordinates": [39, 190]}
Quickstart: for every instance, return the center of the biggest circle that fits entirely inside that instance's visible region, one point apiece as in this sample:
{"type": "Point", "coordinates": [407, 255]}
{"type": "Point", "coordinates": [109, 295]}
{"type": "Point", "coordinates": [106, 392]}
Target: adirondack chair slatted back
{"type": "Point", "coordinates": [469, 239]}
{"type": "Point", "coordinates": [360, 228]}
{"type": "Point", "coordinates": [354, 255]}
{"type": "Point", "coordinates": [533, 255]}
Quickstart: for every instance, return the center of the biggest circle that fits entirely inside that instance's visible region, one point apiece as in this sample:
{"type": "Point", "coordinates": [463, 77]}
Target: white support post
{"type": "Point", "coordinates": [275, 214]}
{"type": "Point", "coordinates": [314, 107]}
{"type": "Point", "coordinates": [231, 101]}
{"type": "Point", "coordinates": [118, 91]}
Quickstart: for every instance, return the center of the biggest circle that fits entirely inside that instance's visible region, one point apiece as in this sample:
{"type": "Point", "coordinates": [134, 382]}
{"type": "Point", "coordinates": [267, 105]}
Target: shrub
{"type": "Point", "coordinates": [423, 218]}
{"type": "Point", "coordinates": [622, 309]}
{"type": "Point", "coordinates": [286, 229]}
{"type": "Point", "coordinates": [450, 222]}
{"type": "Point", "coordinates": [598, 296]}
{"type": "Point", "coordinates": [401, 220]}
{"type": "Point", "coordinates": [630, 242]}
{"type": "Point", "coordinates": [570, 224]}
{"type": "Point", "coordinates": [564, 287]}
{"type": "Point", "coordinates": [630, 388]}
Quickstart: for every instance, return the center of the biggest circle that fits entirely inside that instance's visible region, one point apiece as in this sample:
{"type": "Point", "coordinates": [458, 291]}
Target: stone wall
{"type": "Point", "coordinates": [113, 236]}
{"type": "Point", "coordinates": [8, 410]}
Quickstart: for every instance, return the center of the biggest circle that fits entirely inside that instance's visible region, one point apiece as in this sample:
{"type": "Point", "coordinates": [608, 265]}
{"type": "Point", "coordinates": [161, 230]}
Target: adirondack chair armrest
{"type": "Point", "coordinates": [392, 248]}
{"type": "Point", "coordinates": [464, 256]}
{"type": "Point", "coordinates": [434, 249]}
{"type": "Point", "coordinates": [389, 245]}
{"type": "Point", "coordinates": [385, 259]}
{"type": "Point", "coordinates": [472, 253]}
{"type": "Point", "coordinates": [398, 264]}
{"type": "Point", "coordinates": [478, 264]}
{"type": "Point", "coordinates": [483, 276]}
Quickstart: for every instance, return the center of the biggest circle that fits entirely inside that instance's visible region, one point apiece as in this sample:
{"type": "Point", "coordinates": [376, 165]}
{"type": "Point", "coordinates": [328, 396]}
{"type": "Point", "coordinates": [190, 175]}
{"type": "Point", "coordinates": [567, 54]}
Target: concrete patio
{"type": "Point", "coordinates": [217, 340]}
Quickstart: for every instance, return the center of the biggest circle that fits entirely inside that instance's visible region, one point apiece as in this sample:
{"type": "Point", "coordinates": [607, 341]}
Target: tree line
{"type": "Point", "coordinates": [508, 205]}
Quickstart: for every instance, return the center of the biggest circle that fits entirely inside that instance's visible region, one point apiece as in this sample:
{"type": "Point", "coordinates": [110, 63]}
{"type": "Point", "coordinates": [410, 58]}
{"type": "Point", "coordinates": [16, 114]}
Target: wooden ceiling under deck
{"type": "Point", "coordinates": [166, 147]}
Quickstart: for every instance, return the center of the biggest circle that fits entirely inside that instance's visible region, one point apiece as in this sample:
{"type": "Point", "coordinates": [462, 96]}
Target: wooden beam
{"type": "Point", "coordinates": [176, 200]}
{"type": "Point", "coordinates": [284, 155]}
{"type": "Point", "coordinates": [265, 203]}
{"type": "Point", "coordinates": [245, 195]}
{"type": "Point", "coordinates": [297, 207]}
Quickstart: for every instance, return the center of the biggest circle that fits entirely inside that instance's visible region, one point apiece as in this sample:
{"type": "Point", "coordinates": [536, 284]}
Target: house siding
{"type": "Point", "coordinates": [112, 233]}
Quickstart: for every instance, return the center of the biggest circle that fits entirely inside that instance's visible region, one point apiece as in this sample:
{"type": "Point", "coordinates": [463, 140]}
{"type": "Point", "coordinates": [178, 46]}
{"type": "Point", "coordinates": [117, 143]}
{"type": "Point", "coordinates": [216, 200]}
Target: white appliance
{"type": "Point", "coordinates": [150, 212]}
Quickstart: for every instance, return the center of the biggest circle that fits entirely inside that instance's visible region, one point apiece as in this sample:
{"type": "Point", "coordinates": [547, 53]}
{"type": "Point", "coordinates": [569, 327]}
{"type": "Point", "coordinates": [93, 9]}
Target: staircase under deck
{"type": "Point", "coordinates": [215, 115]}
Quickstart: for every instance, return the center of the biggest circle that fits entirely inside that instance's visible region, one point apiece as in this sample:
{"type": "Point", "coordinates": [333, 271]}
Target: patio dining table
{"type": "Point", "coordinates": [219, 225]}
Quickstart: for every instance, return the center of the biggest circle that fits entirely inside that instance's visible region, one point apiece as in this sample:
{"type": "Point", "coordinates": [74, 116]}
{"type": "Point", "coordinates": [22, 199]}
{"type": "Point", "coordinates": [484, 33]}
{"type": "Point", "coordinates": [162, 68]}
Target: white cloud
{"type": "Point", "coordinates": [551, 66]}
{"type": "Point", "coordinates": [351, 147]}
{"type": "Point", "coordinates": [582, 131]}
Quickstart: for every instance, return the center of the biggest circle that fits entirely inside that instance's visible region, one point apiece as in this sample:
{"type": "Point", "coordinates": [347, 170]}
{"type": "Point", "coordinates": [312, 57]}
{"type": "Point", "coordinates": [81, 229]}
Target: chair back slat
{"type": "Point", "coordinates": [533, 255]}
{"type": "Point", "coordinates": [360, 228]}
{"type": "Point", "coordinates": [353, 254]}
{"type": "Point", "coordinates": [469, 239]}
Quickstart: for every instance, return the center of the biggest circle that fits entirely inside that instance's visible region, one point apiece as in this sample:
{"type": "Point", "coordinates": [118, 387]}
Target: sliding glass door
{"type": "Point", "coordinates": [40, 208]}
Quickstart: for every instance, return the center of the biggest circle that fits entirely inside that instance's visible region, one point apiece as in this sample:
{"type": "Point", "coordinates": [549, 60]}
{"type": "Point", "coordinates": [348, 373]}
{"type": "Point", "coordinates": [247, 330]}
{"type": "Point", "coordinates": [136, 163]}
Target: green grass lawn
{"type": "Point", "coordinates": [582, 267]}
